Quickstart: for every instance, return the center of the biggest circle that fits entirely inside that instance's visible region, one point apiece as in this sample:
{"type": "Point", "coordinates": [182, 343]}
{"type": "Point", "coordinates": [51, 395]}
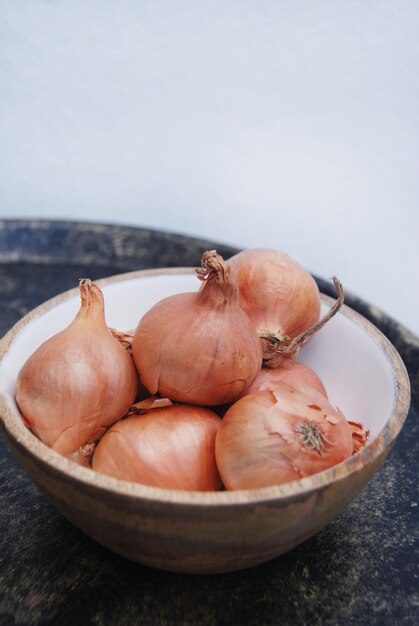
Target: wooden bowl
{"type": "Point", "coordinates": [222, 531]}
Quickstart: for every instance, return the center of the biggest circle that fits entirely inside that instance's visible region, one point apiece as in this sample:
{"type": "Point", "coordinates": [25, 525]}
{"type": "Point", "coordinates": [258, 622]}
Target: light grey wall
{"type": "Point", "coordinates": [291, 124]}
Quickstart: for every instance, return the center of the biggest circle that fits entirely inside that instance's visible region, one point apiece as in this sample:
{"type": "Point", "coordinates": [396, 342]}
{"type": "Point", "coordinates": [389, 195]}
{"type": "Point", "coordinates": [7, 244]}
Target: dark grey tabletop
{"type": "Point", "coordinates": [361, 569]}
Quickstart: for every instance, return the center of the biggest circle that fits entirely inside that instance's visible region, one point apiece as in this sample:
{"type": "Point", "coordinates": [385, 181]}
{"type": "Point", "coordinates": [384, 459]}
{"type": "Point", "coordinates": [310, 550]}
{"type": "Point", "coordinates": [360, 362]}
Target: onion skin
{"type": "Point", "coordinates": [200, 347]}
{"type": "Point", "coordinates": [359, 436]}
{"type": "Point", "coordinates": [280, 297]}
{"type": "Point", "coordinates": [171, 448]}
{"type": "Point", "coordinates": [79, 381]}
{"type": "Point", "coordinates": [261, 442]}
{"type": "Point", "coordinates": [289, 371]}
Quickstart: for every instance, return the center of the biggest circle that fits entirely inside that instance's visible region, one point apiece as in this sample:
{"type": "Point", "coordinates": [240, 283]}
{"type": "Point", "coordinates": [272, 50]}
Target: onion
{"type": "Point", "coordinates": [200, 347]}
{"type": "Point", "coordinates": [282, 300]}
{"type": "Point", "coordinates": [79, 381]}
{"type": "Point", "coordinates": [289, 371]}
{"type": "Point", "coordinates": [171, 447]}
{"type": "Point", "coordinates": [272, 437]}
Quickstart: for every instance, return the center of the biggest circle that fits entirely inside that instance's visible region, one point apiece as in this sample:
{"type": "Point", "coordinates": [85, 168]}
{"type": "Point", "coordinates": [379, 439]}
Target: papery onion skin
{"type": "Point", "coordinates": [360, 436]}
{"type": "Point", "coordinates": [79, 381]}
{"type": "Point", "coordinates": [280, 297]}
{"type": "Point", "coordinates": [290, 371]}
{"type": "Point", "coordinates": [198, 348]}
{"type": "Point", "coordinates": [170, 448]}
{"type": "Point", "coordinates": [260, 441]}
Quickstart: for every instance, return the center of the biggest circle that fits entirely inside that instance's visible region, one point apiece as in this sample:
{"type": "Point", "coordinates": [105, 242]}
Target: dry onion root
{"type": "Point", "coordinates": [78, 382]}
{"type": "Point", "coordinates": [200, 347]}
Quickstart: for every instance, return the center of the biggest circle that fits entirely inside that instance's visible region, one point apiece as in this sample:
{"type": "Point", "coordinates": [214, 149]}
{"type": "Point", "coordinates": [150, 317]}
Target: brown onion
{"type": "Point", "coordinates": [171, 447]}
{"type": "Point", "coordinates": [200, 347]}
{"type": "Point", "coordinates": [282, 300]}
{"type": "Point", "coordinates": [272, 437]}
{"type": "Point", "coordinates": [289, 371]}
{"type": "Point", "coordinates": [79, 381]}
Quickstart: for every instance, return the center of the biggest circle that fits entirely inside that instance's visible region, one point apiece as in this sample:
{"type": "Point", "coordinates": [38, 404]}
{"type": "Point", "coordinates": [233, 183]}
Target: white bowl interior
{"type": "Point", "coordinates": [352, 365]}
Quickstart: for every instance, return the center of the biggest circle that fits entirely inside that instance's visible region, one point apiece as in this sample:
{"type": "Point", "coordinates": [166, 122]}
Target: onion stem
{"type": "Point", "coordinates": [274, 349]}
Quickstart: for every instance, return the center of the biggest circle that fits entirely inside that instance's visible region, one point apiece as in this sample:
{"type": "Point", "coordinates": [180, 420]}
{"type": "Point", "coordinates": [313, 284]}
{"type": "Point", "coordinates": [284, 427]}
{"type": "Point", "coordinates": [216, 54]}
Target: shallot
{"type": "Point", "coordinates": [170, 447]}
{"type": "Point", "coordinates": [273, 437]}
{"type": "Point", "coordinates": [79, 381]}
{"type": "Point", "coordinates": [199, 347]}
{"type": "Point", "coordinates": [282, 300]}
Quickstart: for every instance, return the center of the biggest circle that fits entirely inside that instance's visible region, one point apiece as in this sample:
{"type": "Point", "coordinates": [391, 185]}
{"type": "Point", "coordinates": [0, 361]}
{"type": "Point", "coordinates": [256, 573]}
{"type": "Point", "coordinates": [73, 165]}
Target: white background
{"type": "Point", "coordinates": [290, 124]}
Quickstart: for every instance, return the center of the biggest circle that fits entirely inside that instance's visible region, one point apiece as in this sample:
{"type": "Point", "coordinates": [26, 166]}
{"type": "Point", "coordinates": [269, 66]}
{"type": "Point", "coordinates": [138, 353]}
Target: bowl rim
{"type": "Point", "coordinates": [55, 463]}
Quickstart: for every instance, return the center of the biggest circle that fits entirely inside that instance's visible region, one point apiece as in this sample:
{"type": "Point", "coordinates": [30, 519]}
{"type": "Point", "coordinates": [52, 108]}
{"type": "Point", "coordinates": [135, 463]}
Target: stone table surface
{"type": "Point", "coordinates": [360, 569]}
